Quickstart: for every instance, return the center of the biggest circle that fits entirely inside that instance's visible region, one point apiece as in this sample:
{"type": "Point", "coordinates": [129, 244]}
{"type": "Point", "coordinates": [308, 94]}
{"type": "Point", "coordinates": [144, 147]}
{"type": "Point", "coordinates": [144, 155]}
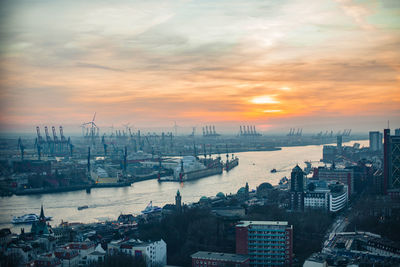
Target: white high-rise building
{"type": "Point", "coordinates": [154, 253]}
{"type": "Point", "coordinates": [375, 141]}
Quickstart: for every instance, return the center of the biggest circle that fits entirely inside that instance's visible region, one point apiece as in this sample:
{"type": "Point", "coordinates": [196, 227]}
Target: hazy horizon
{"type": "Point", "coordinates": [320, 66]}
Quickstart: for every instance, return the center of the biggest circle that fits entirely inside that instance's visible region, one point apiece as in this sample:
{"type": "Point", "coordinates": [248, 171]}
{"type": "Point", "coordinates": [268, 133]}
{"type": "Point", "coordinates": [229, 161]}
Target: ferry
{"type": "Point", "coordinates": [27, 218]}
{"type": "Point", "coordinates": [151, 209]}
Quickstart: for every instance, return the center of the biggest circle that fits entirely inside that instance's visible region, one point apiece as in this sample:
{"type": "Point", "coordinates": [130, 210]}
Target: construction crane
{"type": "Point", "coordinates": [62, 137]}
{"type": "Point", "coordinates": [39, 137]}
{"type": "Point", "coordinates": [38, 146]}
{"type": "Point", "coordinates": [55, 138]}
{"type": "Point", "coordinates": [48, 141]}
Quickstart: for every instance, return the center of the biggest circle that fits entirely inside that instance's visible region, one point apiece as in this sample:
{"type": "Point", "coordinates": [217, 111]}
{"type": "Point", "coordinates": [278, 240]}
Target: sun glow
{"type": "Point", "coordinates": [272, 110]}
{"type": "Point", "coordinates": [265, 99]}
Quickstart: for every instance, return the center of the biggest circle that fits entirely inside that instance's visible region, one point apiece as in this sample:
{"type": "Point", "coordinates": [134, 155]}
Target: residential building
{"type": "Point", "coordinates": [375, 141]}
{"type": "Point", "coordinates": [297, 189]}
{"type": "Point", "coordinates": [47, 262]}
{"type": "Point", "coordinates": [154, 253]}
{"type": "Point", "coordinates": [68, 257]}
{"type": "Point", "coordinates": [391, 162]}
{"type": "Point", "coordinates": [211, 259]}
{"type": "Point", "coordinates": [344, 176]}
{"type": "Point", "coordinates": [364, 247]}
{"type": "Point", "coordinates": [5, 237]}
{"type": "Point", "coordinates": [268, 243]}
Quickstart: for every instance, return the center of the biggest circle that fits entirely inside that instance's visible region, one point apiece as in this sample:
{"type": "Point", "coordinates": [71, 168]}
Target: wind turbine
{"type": "Point", "coordinates": [92, 124]}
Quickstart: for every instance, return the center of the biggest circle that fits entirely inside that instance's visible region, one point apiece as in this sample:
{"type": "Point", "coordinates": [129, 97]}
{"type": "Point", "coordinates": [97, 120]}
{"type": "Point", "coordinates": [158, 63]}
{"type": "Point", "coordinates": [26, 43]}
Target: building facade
{"type": "Point", "coordinates": [154, 253]}
{"type": "Point", "coordinates": [267, 243]}
{"type": "Point", "coordinates": [344, 176]}
{"type": "Point", "coordinates": [391, 162]}
{"type": "Point", "coordinates": [375, 141]}
{"type": "Point", "coordinates": [215, 259]}
{"type": "Point", "coordinates": [297, 189]}
{"type": "Point", "coordinates": [331, 199]}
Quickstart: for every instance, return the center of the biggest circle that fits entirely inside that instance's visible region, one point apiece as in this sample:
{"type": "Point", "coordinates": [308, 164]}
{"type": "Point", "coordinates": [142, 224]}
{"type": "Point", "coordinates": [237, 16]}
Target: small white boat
{"type": "Point", "coordinates": [27, 218]}
{"type": "Point", "coordinates": [151, 209]}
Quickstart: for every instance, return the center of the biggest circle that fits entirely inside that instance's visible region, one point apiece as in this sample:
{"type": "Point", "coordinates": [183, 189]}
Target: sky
{"type": "Point", "coordinates": [320, 65]}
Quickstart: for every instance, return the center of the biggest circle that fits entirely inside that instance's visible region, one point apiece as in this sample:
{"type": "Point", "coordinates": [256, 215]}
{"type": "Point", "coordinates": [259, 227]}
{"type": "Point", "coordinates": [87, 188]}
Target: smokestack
{"type": "Point", "coordinates": [241, 132]}
{"type": "Point", "coordinates": [248, 129]}
{"type": "Point", "coordinates": [214, 130]}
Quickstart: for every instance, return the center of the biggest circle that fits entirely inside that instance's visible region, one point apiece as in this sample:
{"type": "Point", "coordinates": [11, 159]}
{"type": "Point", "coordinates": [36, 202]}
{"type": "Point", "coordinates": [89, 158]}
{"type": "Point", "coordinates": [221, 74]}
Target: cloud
{"type": "Point", "coordinates": [357, 11]}
{"type": "Point", "coordinates": [88, 65]}
{"type": "Point", "coordinates": [196, 60]}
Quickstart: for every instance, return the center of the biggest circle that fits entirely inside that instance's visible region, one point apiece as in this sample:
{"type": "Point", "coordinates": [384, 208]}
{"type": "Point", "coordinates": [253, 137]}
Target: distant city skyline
{"type": "Point", "coordinates": [326, 65]}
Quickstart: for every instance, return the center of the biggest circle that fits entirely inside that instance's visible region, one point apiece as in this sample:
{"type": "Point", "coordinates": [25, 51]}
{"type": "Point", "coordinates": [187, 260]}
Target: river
{"type": "Point", "coordinates": [108, 203]}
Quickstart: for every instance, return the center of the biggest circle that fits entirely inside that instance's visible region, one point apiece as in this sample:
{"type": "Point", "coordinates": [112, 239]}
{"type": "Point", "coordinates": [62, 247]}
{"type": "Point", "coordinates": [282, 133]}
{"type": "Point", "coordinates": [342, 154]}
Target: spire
{"type": "Point", "coordinates": [42, 217]}
{"type": "Point", "coordinates": [178, 193]}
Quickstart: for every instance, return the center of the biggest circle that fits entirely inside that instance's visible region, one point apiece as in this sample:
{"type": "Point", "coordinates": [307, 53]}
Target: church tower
{"type": "Point", "coordinates": [178, 201]}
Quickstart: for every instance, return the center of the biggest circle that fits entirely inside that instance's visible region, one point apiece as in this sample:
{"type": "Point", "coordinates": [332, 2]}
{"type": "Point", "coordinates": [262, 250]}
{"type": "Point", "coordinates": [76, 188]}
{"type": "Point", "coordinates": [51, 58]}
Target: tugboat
{"type": "Point", "coordinates": [273, 170]}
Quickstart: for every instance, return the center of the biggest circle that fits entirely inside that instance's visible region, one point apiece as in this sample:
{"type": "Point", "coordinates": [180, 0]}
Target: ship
{"type": "Point", "coordinates": [191, 168]}
{"type": "Point", "coordinates": [151, 209]}
{"type": "Point", "coordinates": [273, 171]}
{"type": "Point", "coordinates": [27, 218]}
{"type": "Point", "coordinates": [83, 207]}
{"type": "Point", "coordinates": [230, 164]}
{"type": "Point", "coordinates": [140, 156]}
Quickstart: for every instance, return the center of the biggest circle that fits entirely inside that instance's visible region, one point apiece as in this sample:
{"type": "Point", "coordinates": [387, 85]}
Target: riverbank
{"type": "Point", "coordinates": [107, 203]}
{"type": "Point", "coordinates": [35, 191]}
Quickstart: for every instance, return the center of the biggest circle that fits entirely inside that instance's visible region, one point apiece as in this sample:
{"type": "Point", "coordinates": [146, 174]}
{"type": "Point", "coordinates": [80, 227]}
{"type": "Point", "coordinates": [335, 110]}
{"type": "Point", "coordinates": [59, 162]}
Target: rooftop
{"type": "Point", "coordinates": [220, 256]}
{"type": "Point", "coordinates": [247, 223]}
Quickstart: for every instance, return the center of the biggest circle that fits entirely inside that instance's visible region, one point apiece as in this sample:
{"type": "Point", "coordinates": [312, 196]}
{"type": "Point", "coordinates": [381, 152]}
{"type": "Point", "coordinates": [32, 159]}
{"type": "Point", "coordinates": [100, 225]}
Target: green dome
{"type": "Point", "coordinates": [221, 195]}
{"type": "Point", "coordinates": [203, 198]}
{"type": "Point", "coordinates": [242, 190]}
{"type": "Point", "coordinates": [265, 186]}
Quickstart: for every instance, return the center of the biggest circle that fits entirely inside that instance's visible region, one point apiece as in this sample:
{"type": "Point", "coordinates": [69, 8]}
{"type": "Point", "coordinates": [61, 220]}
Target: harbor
{"type": "Point", "coordinates": [108, 203]}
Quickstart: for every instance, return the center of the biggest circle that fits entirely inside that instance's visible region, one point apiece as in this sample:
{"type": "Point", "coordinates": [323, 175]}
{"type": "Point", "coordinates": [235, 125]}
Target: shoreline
{"type": "Point", "coordinates": [138, 179]}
